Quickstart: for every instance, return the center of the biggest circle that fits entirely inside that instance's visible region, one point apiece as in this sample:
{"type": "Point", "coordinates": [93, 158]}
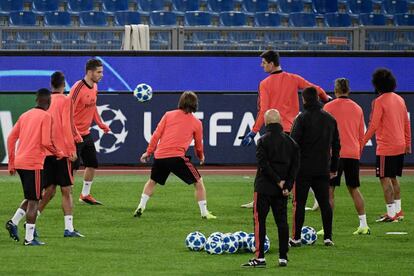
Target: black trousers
{"type": "Point", "coordinates": [320, 186]}
{"type": "Point", "coordinates": [262, 205]}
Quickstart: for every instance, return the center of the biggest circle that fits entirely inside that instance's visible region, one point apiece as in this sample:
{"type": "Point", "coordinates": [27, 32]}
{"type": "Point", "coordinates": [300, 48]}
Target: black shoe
{"type": "Point", "coordinates": [254, 263]}
{"type": "Point", "coordinates": [295, 243]}
{"type": "Point", "coordinates": [283, 262]}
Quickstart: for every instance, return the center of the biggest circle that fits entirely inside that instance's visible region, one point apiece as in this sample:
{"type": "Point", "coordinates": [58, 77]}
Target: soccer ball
{"type": "Point", "coordinates": [143, 92]}
{"type": "Point", "coordinates": [214, 245]}
{"type": "Point", "coordinates": [195, 241]}
{"type": "Point", "coordinates": [308, 235]}
{"type": "Point", "coordinates": [230, 243]}
{"type": "Point", "coordinates": [241, 238]}
{"type": "Point", "coordinates": [251, 243]}
{"type": "Point", "coordinates": [219, 234]}
{"type": "Point", "coordinates": [116, 120]}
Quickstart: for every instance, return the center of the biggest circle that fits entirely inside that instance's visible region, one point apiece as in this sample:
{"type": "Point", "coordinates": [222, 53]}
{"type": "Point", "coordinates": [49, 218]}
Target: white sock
{"type": "Point", "coordinates": [203, 207]}
{"type": "Point", "coordinates": [38, 213]}
{"type": "Point", "coordinates": [29, 231]}
{"type": "Point", "coordinates": [20, 213]}
{"type": "Point", "coordinates": [397, 205]}
{"type": "Point", "coordinates": [363, 221]}
{"type": "Point", "coordinates": [144, 200]}
{"type": "Point", "coordinates": [86, 190]}
{"type": "Point", "coordinates": [261, 259]}
{"type": "Point", "coordinates": [69, 223]}
{"type": "Point", "coordinates": [391, 210]}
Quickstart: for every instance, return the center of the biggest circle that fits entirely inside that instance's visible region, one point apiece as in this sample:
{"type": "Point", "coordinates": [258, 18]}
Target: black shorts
{"type": "Point", "coordinates": [32, 181]}
{"type": "Point", "coordinates": [58, 172]}
{"type": "Point", "coordinates": [180, 166]}
{"type": "Point", "coordinates": [87, 152]}
{"type": "Point", "coordinates": [389, 166]}
{"type": "Point", "coordinates": [350, 167]}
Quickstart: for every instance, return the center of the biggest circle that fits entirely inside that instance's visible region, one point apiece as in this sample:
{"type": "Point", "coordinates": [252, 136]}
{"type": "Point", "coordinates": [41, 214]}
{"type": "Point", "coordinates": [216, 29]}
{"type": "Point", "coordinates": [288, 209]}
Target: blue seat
{"type": "Point", "coordinates": [22, 18]}
{"type": "Point", "coordinates": [92, 18]}
{"type": "Point", "coordinates": [253, 6]}
{"type": "Point", "coordinates": [41, 6]}
{"type": "Point", "coordinates": [104, 40]}
{"type": "Point", "coordinates": [395, 6]}
{"type": "Point", "coordinates": [197, 18]}
{"type": "Point", "coordinates": [372, 19]}
{"type": "Point", "coordinates": [220, 5]}
{"type": "Point", "coordinates": [361, 6]}
{"type": "Point", "coordinates": [289, 6]}
{"type": "Point", "coordinates": [233, 19]}
{"type": "Point", "coordinates": [301, 19]}
{"type": "Point", "coordinates": [186, 5]}
{"type": "Point", "coordinates": [163, 18]}
{"type": "Point", "coordinates": [338, 19]}
{"type": "Point", "coordinates": [127, 17]}
{"type": "Point", "coordinates": [7, 6]}
{"type": "Point", "coordinates": [150, 5]}
{"type": "Point", "coordinates": [404, 19]}
{"type": "Point", "coordinates": [267, 19]}
{"type": "Point", "coordinates": [57, 18]}
{"type": "Point", "coordinates": [325, 6]}
{"type": "Point", "coordinates": [111, 6]}
{"type": "Point", "coordinates": [76, 6]}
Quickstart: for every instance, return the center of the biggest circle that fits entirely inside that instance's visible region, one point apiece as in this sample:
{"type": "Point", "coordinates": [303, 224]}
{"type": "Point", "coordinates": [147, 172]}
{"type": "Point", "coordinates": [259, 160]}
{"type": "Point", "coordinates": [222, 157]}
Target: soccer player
{"type": "Point", "coordinates": [279, 91]}
{"type": "Point", "coordinates": [59, 172]}
{"type": "Point", "coordinates": [350, 120]}
{"type": "Point", "coordinates": [33, 132]}
{"type": "Point", "coordinates": [316, 133]}
{"type": "Point", "coordinates": [277, 165]}
{"type": "Point", "coordinates": [391, 126]}
{"type": "Point", "coordinates": [169, 143]}
{"type": "Point", "coordinates": [84, 94]}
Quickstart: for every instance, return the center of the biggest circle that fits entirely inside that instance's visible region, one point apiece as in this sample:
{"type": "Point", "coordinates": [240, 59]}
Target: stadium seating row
{"type": "Point", "coordinates": [203, 18]}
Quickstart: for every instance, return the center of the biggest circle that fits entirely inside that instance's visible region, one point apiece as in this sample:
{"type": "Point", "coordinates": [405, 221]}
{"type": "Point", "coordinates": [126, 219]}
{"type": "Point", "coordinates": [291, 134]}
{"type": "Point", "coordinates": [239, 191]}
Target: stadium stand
{"type": "Point", "coordinates": [111, 6]}
{"type": "Point", "coordinates": [163, 18]}
{"type": "Point", "coordinates": [42, 6]}
{"type": "Point", "coordinates": [197, 18]}
{"type": "Point", "coordinates": [372, 19]}
{"type": "Point", "coordinates": [395, 6]}
{"type": "Point", "coordinates": [302, 19]}
{"type": "Point", "coordinates": [267, 19]}
{"type": "Point", "coordinates": [233, 19]}
{"type": "Point", "coordinates": [93, 18]}
{"type": "Point", "coordinates": [57, 18]}
{"type": "Point", "coordinates": [325, 6]}
{"type": "Point", "coordinates": [77, 6]}
{"type": "Point", "coordinates": [7, 6]}
{"type": "Point", "coordinates": [127, 17]}
{"type": "Point", "coordinates": [404, 19]}
{"type": "Point", "coordinates": [22, 18]}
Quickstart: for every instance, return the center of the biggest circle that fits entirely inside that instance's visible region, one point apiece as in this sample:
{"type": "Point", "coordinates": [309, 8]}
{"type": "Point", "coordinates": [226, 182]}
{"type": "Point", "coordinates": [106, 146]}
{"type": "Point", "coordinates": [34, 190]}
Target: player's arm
{"type": "Point", "coordinates": [361, 132]}
{"type": "Point", "coordinates": [75, 133]}
{"type": "Point", "coordinates": [154, 139]}
{"type": "Point", "coordinates": [11, 146]}
{"type": "Point", "coordinates": [47, 142]}
{"type": "Point", "coordinates": [198, 143]}
{"type": "Point", "coordinates": [302, 84]}
{"type": "Point", "coordinates": [262, 107]}
{"type": "Point", "coordinates": [407, 132]}
{"type": "Point", "coordinates": [67, 125]}
{"type": "Point", "coordinates": [98, 121]}
{"type": "Point", "coordinates": [264, 164]}
{"type": "Point", "coordinates": [335, 149]}
{"type": "Point", "coordinates": [376, 116]}
{"type": "Point", "coordinates": [293, 169]}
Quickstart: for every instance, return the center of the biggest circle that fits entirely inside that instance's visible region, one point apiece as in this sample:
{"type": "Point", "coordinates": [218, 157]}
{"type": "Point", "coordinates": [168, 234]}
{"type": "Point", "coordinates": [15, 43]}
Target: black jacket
{"type": "Point", "coordinates": [277, 159]}
{"type": "Point", "coordinates": [316, 133]}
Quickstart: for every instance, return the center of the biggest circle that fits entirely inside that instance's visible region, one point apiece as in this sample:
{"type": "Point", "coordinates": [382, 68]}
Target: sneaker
{"type": "Point", "coordinates": [362, 231]}
{"type": "Point", "coordinates": [209, 216]}
{"type": "Point", "coordinates": [283, 262]}
{"type": "Point", "coordinates": [320, 232]}
{"type": "Point", "coordinates": [33, 243]}
{"type": "Point", "coordinates": [295, 243]}
{"type": "Point", "coordinates": [248, 205]}
{"type": "Point", "coordinates": [328, 242]}
{"type": "Point", "coordinates": [138, 212]}
{"type": "Point", "coordinates": [73, 234]}
{"type": "Point", "coordinates": [35, 234]}
{"type": "Point", "coordinates": [12, 228]}
{"type": "Point", "coordinates": [386, 218]}
{"type": "Point", "coordinates": [400, 215]}
{"type": "Point", "coordinates": [254, 263]}
{"type": "Point", "coordinates": [89, 200]}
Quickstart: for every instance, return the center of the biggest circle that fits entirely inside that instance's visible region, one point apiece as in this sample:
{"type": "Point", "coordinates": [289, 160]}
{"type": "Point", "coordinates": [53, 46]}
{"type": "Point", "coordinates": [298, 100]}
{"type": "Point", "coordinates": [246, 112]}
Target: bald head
{"type": "Point", "coordinates": [272, 116]}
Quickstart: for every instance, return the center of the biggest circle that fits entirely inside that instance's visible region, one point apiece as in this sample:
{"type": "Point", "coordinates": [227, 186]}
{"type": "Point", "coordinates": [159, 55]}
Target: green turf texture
{"type": "Point", "coordinates": [116, 243]}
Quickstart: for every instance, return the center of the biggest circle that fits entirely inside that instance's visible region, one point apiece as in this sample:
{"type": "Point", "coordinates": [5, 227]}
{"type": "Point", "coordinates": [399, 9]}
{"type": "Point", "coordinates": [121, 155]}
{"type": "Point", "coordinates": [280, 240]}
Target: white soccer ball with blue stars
{"type": "Point", "coordinates": [308, 235]}
{"type": "Point", "coordinates": [214, 245]}
{"type": "Point", "coordinates": [251, 243]}
{"type": "Point", "coordinates": [241, 238]}
{"type": "Point", "coordinates": [195, 241]}
{"type": "Point", "coordinates": [143, 92]}
{"type": "Point", "coordinates": [230, 243]}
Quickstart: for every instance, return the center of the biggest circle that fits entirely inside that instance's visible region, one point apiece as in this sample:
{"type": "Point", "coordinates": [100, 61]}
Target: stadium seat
{"type": "Point", "coordinates": [150, 5]}
{"type": "Point", "coordinates": [22, 18]}
{"type": "Point", "coordinates": [76, 6]}
{"type": "Point", "coordinates": [366, 6]}
{"type": "Point", "coordinates": [267, 19]}
{"type": "Point", "coordinates": [111, 6]}
{"type": "Point", "coordinates": [57, 18]}
{"type": "Point", "coordinates": [220, 5]}
{"type": "Point", "coordinates": [372, 19]}
{"type": "Point", "coordinates": [197, 18]}
{"type": "Point", "coordinates": [337, 19]}
{"type": "Point", "coordinates": [127, 17]}
{"type": "Point", "coordinates": [301, 19]}
{"type": "Point", "coordinates": [7, 6]}
{"type": "Point", "coordinates": [395, 6]}
{"type": "Point", "coordinates": [404, 19]}
{"type": "Point", "coordinates": [325, 6]}
{"type": "Point", "coordinates": [186, 5]}
{"type": "Point", "coordinates": [92, 18]}
{"type": "Point", "coordinates": [253, 6]}
{"type": "Point", "coordinates": [233, 19]}
{"type": "Point", "coordinates": [104, 40]}
{"type": "Point", "coordinates": [289, 6]}
{"type": "Point", "coordinates": [163, 18]}
{"type": "Point", "coordinates": [42, 6]}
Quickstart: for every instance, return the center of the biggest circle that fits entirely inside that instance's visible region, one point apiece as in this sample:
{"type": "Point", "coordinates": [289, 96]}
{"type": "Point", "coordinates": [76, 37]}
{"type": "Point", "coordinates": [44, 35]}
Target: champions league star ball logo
{"type": "Point", "coordinates": [111, 141]}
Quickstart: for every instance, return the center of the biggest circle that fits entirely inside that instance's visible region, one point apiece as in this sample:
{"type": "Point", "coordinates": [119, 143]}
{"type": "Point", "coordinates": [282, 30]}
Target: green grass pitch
{"type": "Point", "coordinates": [116, 243]}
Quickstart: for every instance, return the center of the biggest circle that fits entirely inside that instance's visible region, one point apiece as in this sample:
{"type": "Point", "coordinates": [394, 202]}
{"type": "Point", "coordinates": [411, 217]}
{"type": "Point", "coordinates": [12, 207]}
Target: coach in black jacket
{"type": "Point", "coordinates": [278, 162]}
{"type": "Point", "coordinates": [316, 133]}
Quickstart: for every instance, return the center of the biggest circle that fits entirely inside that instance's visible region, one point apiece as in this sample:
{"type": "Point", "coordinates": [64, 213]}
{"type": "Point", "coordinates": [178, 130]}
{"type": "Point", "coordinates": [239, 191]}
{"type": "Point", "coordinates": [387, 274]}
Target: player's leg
{"type": "Point", "coordinates": [300, 195]}
{"type": "Point", "coordinates": [320, 186]}
{"type": "Point", "coordinates": [315, 203]}
{"type": "Point", "coordinates": [279, 210]}
{"type": "Point", "coordinates": [11, 225]}
{"type": "Point", "coordinates": [145, 196]}
{"type": "Point", "coordinates": [384, 170]}
{"type": "Point", "coordinates": [200, 194]}
{"type": "Point", "coordinates": [48, 193]}
{"type": "Point", "coordinates": [397, 198]}
{"type": "Point", "coordinates": [50, 172]}
{"type": "Point", "coordinates": [90, 161]}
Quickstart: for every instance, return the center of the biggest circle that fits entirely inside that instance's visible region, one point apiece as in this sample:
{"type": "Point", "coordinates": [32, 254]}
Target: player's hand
{"type": "Point", "coordinates": [145, 157]}
{"type": "Point", "coordinates": [281, 184]}
{"type": "Point", "coordinates": [408, 150]}
{"type": "Point", "coordinates": [59, 155]}
{"type": "Point", "coordinates": [105, 128]}
{"type": "Point", "coordinates": [202, 159]}
{"type": "Point", "coordinates": [248, 139]}
{"type": "Point", "coordinates": [78, 139]}
{"type": "Point", "coordinates": [73, 157]}
{"type": "Point", "coordinates": [333, 174]}
{"type": "Point", "coordinates": [285, 192]}
{"type": "Point", "coordinates": [12, 171]}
